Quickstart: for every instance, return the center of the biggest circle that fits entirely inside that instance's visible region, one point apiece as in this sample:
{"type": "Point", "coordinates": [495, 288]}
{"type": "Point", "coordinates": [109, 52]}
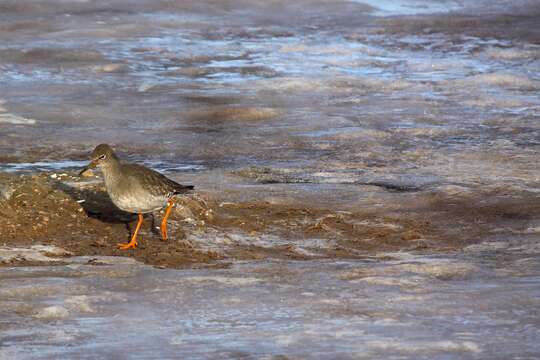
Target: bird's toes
{"type": "Point", "coordinates": [126, 246]}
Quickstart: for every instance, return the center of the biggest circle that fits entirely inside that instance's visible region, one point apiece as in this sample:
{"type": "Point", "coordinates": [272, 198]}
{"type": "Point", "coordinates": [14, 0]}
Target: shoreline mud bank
{"type": "Point", "coordinates": [257, 221]}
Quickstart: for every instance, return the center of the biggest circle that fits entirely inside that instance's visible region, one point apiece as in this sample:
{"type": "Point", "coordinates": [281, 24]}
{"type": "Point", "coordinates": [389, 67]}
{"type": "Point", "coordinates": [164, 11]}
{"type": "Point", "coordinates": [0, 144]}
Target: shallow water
{"type": "Point", "coordinates": [422, 99]}
{"type": "Point", "coordinates": [477, 304]}
{"type": "Point", "coordinates": [239, 85]}
{"type": "Point", "coordinates": [52, 166]}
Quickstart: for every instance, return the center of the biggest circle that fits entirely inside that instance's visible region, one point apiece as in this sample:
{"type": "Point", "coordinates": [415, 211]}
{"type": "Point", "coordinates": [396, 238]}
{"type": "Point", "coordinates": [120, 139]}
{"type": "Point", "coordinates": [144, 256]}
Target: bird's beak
{"type": "Point", "coordinates": [91, 165]}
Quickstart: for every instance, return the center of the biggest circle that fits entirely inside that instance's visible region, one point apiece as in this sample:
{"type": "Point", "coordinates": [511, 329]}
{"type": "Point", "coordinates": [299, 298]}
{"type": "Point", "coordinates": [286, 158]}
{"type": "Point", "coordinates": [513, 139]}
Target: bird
{"type": "Point", "coordinates": [135, 188]}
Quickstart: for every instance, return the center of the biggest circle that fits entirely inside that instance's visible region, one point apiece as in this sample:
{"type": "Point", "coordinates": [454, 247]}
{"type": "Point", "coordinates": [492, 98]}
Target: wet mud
{"type": "Point", "coordinates": [77, 215]}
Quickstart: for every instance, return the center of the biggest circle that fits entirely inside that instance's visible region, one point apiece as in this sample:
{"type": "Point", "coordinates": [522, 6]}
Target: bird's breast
{"type": "Point", "coordinates": [135, 200]}
{"type": "Point", "coordinates": [138, 204]}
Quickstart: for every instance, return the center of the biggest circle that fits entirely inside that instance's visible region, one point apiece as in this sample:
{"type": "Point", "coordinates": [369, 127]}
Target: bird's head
{"type": "Point", "coordinates": [102, 156]}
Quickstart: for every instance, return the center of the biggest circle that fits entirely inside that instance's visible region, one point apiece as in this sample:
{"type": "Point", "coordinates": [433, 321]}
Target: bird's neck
{"type": "Point", "coordinates": [110, 171]}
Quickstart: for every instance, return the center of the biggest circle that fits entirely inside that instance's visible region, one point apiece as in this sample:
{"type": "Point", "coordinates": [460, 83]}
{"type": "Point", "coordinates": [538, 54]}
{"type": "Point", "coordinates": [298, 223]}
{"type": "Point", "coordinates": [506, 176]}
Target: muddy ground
{"type": "Point", "coordinates": [209, 228]}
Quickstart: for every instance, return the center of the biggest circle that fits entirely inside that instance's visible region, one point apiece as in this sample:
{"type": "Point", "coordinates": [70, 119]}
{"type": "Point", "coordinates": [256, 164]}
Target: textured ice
{"type": "Point", "coordinates": [41, 253]}
{"type": "Point", "coordinates": [509, 81]}
{"type": "Point", "coordinates": [12, 119]}
{"type": "Point", "coordinates": [7, 118]}
{"type": "Point", "coordinates": [223, 280]}
{"type": "Point", "coordinates": [315, 309]}
{"type": "Point", "coordinates": [53, 313]}
{"type": "Point", "coordinates": [423, 347]}
{"type": "Point", "coordinates": [513, 54]}
{"type": "Point", "coordinates": [411, 7]}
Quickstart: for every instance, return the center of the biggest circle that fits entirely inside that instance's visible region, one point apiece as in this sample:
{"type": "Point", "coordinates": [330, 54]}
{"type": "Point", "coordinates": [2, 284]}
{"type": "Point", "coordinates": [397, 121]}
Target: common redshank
{"type": "Point", "coordinates": [136, 189]}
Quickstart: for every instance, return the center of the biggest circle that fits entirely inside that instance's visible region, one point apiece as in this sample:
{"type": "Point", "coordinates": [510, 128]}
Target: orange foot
{"type": "Point", "coordinates": [126, 246]}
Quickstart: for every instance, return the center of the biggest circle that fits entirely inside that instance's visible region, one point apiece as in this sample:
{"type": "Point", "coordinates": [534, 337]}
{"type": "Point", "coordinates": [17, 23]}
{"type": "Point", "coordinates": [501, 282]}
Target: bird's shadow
{"type": "Point", "coordinates": [98, 205]}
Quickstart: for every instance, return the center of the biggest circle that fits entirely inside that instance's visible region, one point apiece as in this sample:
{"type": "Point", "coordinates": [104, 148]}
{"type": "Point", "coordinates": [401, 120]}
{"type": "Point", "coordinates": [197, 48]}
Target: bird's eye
{"type": "Point", "coordinates": [102, 157]}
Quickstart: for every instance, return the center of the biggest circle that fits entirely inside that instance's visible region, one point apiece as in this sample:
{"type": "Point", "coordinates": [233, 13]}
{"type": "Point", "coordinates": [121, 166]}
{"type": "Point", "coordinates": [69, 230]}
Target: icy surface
{"type": "Point", "coordinates": [40, 253]}
{"type": "Point", "coordinates": [406, 306]}
{"type": "Point", "coordinates": [79, 165]}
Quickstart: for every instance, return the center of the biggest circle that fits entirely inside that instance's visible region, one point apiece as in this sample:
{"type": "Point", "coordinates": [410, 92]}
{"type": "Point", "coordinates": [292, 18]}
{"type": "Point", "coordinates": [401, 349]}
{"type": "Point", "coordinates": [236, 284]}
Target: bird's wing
{"type": "Point", "coordinates": [154, 182]}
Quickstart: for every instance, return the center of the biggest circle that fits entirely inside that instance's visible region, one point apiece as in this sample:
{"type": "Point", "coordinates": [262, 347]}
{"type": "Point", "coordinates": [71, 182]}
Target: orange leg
{"type": "Point", "coordinates": [133, 243]}
{"type": "Point", "coordinates": [163, 226]}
